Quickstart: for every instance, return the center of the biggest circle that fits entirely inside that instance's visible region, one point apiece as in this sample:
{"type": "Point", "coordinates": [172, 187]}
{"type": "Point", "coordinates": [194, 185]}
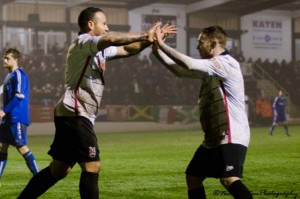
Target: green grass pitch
{"type": "Point", "coordinates": [151, 165]}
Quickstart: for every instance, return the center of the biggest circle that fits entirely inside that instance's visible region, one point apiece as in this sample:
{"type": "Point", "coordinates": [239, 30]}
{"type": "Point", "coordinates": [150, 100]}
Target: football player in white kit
{"type": "Point", "coordinates": [75, 140]}
{"type": "Point", "coordinates": [222, 111]}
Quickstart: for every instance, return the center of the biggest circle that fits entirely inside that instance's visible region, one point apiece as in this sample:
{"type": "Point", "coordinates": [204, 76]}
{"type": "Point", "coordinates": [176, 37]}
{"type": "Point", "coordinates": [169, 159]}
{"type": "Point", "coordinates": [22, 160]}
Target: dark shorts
{"type": "Point", "coordinates": [224, 161]}
{"type": "Point", "coordinates": [74, 141]}
{"type": "Point", "coordinates": [279, 118]}
{"type": "Point", "coordinates": [14, 134]}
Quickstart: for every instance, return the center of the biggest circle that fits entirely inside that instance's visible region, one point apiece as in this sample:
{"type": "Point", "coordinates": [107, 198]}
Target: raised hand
{"type": "Point", "coordinates": [151, 32]}
{"type": "Point", "coordinates": [167, 29]}
{"type": "Point", "coordinates": [159, 35]}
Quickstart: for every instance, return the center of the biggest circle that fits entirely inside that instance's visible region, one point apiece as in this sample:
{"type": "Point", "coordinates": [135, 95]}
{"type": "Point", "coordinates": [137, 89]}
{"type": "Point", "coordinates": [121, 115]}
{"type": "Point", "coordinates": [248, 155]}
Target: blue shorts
{"type": "Point", "coordinates": [279, 118]}
{"type": "Point", "coordinates": [14, 134]}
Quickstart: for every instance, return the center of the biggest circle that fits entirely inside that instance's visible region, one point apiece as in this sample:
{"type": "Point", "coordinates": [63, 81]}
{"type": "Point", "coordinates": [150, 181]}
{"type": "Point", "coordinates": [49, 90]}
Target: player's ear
{"type": "Point", "coordinates": [213, 44]}
{"type": "Point", "coordinates": [90, 25]}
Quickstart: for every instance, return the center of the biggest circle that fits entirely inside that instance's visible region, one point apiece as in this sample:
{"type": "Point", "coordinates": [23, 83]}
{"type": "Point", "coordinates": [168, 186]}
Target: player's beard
{"type": "Point", "coordinates": [205, 53]}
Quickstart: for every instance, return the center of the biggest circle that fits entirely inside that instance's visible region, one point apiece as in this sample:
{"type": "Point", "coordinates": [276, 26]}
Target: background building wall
{"type": "Point", "coordinates": [267, 35]}
{"type": "Point", "coordinates": [135, 21]}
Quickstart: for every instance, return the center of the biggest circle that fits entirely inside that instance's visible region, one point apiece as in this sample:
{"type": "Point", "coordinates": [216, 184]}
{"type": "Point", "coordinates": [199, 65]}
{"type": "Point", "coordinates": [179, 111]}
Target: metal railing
{"type": "Point", "coordinates": [264, 75]}
{"type": "Point", "coordinates": [260, 73]}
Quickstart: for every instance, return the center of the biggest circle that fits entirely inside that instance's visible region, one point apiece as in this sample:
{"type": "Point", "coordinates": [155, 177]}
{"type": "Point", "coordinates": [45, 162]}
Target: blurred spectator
{"type": "Point", "coordinates": [240, 56]}
{"type": "Point", "coordinates": [266, 111]}
{"type": "Point", "coordinates": [258, 110]}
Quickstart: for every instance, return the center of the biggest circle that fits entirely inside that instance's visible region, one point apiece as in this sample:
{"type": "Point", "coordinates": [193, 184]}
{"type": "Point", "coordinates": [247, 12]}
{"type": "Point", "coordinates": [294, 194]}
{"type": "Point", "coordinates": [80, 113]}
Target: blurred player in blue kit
{"type": "Point", "coordinates": [279, 112]}
{"type": "Point", "coordinates": [222, 112]}
{"type": "Point", "coordinates": [15, 113]}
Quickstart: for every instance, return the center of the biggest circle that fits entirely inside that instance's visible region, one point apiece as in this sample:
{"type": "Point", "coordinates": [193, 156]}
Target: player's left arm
{"type": "Point", "coordinates": [137, 47]}
{"type": "Point", "coordinates": [180, 58]}
{"type": "Point", "coordinates": [173, 67]}
{"type": "Point", "coordinates": [131, 49]}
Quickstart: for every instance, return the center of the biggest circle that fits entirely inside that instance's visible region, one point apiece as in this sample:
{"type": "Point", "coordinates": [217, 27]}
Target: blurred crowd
{"type": "Point", "coordinates": [133, 80]}
{"type": "Point", "coordinates": [140, 81]}
{"type": "Point", "coordinates": [285, 73]}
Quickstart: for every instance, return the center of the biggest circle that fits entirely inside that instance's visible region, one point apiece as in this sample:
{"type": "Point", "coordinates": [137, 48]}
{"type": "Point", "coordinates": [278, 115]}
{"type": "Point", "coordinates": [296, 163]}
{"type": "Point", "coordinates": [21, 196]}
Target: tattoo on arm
{"type": "Point", "coordinates": [120, 39]}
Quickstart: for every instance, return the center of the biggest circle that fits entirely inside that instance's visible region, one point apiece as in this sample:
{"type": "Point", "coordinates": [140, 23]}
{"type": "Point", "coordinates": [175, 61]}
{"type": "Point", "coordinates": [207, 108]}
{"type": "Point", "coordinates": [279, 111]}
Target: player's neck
{"type": "Point", "coordinates": [12, 69]}
{"type": "Point", "coordinates": [218, 51]}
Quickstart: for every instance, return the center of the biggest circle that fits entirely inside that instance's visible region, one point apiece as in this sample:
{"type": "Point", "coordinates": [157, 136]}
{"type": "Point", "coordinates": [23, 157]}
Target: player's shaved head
{"type": "Point", "coordinates": [85, 16]}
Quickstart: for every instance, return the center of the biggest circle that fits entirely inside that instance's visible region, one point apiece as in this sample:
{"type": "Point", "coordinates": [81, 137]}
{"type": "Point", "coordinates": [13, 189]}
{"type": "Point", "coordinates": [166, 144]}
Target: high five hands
{"type": "Point", "coordinates": [161, 33]}
{"type": "Point", "coordinates": [165, 31]}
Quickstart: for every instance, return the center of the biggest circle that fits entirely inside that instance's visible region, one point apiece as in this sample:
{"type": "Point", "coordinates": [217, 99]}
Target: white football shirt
{"type": "Point", "coordinates": [86, 101]}
{"type": "Point", "coordinates": [222, 98]}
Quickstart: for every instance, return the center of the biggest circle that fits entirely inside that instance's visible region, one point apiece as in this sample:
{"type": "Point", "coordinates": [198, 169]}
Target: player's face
{"type": "Point", "coordinates": [9, 62]}
{"type": "Point", "coordinates": [281, 93]}
{"type": "Point", "coordinates": [204, 47]}
{"type": "Point", "coordinates": [99, 24]}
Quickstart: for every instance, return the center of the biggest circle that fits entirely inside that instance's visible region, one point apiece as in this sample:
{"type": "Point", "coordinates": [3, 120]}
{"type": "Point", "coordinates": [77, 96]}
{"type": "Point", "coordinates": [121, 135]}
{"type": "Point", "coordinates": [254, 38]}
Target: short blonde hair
{"type": "Point", "coordinates": [215, 32]}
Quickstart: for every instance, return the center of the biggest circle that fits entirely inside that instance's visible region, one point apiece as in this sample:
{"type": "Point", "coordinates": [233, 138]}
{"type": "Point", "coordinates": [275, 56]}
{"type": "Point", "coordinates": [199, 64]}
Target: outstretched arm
{"type": "Point", "coordinates": [131, 49]}
{"type": "Point", "coordinates": [179, 58]}
{"type": "Point", "coordinates": [121, 38]}
{"type": "Point", "coordinates": [128, 43]}
{"type": "Point", "coordinates": [136, 47]}
{"type": "Point", "coordinates": [172, 66]}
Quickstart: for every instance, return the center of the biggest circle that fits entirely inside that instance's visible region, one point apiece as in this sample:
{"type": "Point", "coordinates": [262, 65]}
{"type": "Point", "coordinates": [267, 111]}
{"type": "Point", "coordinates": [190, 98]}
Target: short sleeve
{"type": "Point", "coordinates": [88, 43]}
{"type": "Point", "coordinates": [94, 43]}
{"type": "Point", "coordinates": [110, 52]}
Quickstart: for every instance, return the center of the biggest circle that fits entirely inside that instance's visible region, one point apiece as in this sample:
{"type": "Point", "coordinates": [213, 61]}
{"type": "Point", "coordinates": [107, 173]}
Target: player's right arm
{"type": "Point", "coordinates": [172, 66]}
{"type": "Point", "coordinates": [18, 92]}
{"type": "Point", "coordinates": [275, 105]}
{"type": "Point", "coordinates": [18, 96]}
